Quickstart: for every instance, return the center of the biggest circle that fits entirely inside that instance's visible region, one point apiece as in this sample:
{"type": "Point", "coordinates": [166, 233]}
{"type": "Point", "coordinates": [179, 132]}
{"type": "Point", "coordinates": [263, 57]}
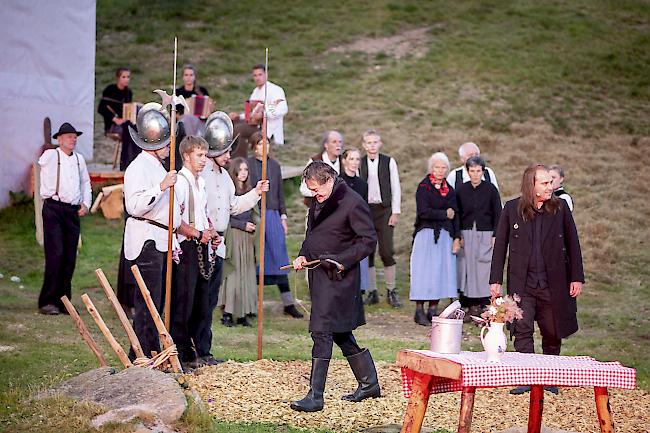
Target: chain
{"type": "Point", "coordinates": [211, 258]}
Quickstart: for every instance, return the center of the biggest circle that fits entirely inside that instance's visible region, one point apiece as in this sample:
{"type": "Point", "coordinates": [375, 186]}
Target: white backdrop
{"type": "Point", "coordinates": [47, 69]}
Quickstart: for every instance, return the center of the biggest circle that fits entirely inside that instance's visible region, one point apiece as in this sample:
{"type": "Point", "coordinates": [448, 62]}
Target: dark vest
{"type": "Point", "coordinates": [383, 173]}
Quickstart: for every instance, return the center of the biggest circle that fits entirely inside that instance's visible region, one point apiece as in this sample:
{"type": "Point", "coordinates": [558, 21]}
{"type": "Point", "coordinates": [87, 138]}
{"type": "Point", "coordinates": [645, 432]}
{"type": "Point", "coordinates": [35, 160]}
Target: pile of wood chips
{"type": "Point", "coordinates": [261, 392]}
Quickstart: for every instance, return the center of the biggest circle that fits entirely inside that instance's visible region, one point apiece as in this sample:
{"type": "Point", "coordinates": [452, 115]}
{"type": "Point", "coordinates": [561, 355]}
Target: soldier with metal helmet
{"type": "Point", "coordinates": [222, 202]}
{"type": "Point", "coordinates": [146, 196]}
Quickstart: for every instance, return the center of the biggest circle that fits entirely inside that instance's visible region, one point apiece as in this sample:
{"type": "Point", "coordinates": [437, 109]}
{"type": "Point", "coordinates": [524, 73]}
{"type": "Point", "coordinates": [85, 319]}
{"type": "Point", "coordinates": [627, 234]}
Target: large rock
{"type": "Point", "coordinates": [150, 392]}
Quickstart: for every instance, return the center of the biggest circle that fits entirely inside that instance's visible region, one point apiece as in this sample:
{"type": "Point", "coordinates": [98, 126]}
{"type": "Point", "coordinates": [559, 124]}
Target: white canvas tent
{"type": "Point", "coordinates": [47, 69]}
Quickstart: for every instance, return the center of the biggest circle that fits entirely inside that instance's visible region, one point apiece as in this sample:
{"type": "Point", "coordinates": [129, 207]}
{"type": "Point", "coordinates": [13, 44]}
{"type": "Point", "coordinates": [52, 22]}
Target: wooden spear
{"type": "Point", "coordinates": [260, 289]}
{"type": "Point", "coordinates": [170, 232]}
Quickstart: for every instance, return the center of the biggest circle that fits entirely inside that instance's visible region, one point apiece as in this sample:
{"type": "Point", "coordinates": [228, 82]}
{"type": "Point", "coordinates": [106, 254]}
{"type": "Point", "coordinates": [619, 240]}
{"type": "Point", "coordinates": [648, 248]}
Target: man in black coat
{"type": "Point", "coordinates": [340, 233]}
{"type": "Point", "coordinates": [544, 265]}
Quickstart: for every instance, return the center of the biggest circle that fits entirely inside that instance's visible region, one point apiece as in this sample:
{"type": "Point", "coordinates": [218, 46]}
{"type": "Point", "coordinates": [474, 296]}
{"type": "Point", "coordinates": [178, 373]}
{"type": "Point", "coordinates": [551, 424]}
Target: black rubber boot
{"type": "Point", "coordinates": [392, 298]}
{"type": "Point", "coordinates": [291, 310]}
{"type": "Point", "coordinates": [313, 401]}
{"type": "Point", "coordinates": [431, 312]}
{"type": "Point", "coordinates": [364, 370]}
{"type": "Point", "coordinates": [420, 317]}
{"type": "Point", "coordinates": [372, 298]}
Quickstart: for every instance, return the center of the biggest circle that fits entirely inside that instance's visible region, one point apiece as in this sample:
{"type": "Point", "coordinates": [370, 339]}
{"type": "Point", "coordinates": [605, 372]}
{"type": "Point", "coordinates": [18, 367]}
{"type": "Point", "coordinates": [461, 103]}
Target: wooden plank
{"type": "Point", "coordinates": [466, 408]}
{"type": "Point", "coordinates": [83, 330]}
{"type": "Point", "coordinates": [424, 364]}
{"type": "Point", "coordinates": [107, 332]}
{"type": "Point", "coordinates": [418, 402]}
{"type": "Point", "coordinates": [535, 409]}
{"type": "Point", "coordinates": [121, 315]}
{"type": "Point", "coordinates": [604, 410]}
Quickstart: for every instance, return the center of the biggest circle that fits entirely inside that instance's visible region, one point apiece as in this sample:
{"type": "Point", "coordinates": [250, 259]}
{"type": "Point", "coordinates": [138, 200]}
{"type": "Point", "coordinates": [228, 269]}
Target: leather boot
{"type": "Point", "coordinates": [392, 298]}
{"type": "Point", "coordinates": [364, 370]}
{"type": "Point", "coordinates": [291, 310]}
{"type": "Point", "coordinates": [313, 401]}
{"type": "Point", "coordinates": [372, 298]}
{"type": "Point", "coordinates": [420, 317]}
{"type": "Point", "coordinates": [431, 312]}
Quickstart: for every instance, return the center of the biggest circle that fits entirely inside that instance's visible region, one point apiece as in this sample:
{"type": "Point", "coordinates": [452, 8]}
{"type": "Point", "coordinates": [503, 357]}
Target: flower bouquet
{"type": "Point", "coordinates": [501, 310]}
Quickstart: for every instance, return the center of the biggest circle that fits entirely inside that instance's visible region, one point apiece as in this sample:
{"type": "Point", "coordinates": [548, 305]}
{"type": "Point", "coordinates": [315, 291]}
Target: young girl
{"type": "Point", "coordinates": [238, 294]}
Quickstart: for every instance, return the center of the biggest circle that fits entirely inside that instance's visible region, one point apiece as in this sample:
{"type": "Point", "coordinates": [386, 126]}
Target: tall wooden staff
{"type": "Point", "coordinates": [260, 289]}
{"type": "Point", "coordinates": [170, 232]}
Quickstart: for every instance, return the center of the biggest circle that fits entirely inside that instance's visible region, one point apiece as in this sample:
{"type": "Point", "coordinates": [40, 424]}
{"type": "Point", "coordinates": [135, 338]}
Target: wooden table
{"type": "Point", "coordinates": [428, 372]}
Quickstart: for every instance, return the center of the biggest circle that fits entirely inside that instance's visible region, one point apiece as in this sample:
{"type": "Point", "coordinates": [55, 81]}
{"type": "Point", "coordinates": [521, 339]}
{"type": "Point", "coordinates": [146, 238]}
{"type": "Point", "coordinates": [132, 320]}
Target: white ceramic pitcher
{"type": "Point", "coordinates": [494, 341]}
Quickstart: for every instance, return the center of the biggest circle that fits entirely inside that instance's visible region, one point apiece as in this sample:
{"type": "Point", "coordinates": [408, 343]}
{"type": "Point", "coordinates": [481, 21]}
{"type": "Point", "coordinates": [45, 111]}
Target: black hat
{"type": "Point", "coordinates": [66, 128]}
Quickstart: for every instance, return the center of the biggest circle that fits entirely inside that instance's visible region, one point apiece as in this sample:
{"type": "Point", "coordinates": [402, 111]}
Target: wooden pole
{"type": "Point", "coordinates": [85, 333]}
{"type": "Point", "coordinates": [170, 232]}
{"type": "Point", "coordinates": [260, 288]}
{"type": "Point", "coordinates": [603, 409]}
{"type": "Point", "coordinates": [165, 338]}
{"type": "Point", "coordinates": [126, 324]}
{"type": "Point", "coordinates": [107, 332]}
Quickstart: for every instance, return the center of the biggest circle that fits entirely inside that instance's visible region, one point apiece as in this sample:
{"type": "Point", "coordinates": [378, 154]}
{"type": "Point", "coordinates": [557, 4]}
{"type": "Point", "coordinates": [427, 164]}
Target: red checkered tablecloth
{"type": "Point", "coordinates": [525, 369]}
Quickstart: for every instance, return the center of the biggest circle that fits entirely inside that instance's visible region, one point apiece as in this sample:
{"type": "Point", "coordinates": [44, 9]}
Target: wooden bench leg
{"type": "Point", "coordinates": [466, 408]}
{"type": "Point", "coordinates": [417, 406]}
{"type": "Point", "coordinates": [535, 409]}
{"type": "Point", "coordinates": [604, 410]}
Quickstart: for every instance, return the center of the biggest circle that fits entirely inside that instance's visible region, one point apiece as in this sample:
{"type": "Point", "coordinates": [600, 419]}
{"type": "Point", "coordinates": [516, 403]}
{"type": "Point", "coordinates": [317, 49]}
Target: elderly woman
{"type": "Point", "coordinates": [435, 241]}
{"type": "Point", "coordinates": [479, 208]}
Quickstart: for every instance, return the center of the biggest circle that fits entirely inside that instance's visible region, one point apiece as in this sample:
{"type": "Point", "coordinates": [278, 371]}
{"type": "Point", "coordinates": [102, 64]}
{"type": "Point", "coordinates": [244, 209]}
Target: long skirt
{"type": "Point", "coordinates": [238, 294]}
{"type": "Point", "coordinates": [474, 263]}
{"type": "Point", "coordinates": [433, 267]}
{"type": "Point", "coordinates": [275, 247]}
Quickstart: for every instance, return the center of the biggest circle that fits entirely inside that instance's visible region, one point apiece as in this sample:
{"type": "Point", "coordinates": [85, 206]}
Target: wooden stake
{"type": "Point", "coordinates": [83, 330]}
{"type": "Point", "coordinates": [170, 231]}
{"type": "Point", "coordinates": [165, 338]}
{"type": "Point", "coordinates": [260, 282]}
{"type": "Point", "coordinates": [126, 324]}
{"type": "Point", "coordinates": [107, 332]}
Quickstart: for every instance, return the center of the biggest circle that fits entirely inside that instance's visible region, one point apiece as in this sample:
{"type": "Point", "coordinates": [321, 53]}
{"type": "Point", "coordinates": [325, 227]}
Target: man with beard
{"type": "Point", "coordinates": [340, 234]}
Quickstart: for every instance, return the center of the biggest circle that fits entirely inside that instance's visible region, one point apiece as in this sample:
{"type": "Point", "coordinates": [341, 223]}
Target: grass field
{"type": "Point", "coordinates": [557, 81]}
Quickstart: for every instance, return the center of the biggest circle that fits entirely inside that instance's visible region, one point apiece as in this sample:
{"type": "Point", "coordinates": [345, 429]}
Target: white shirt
{"type": "Point", "coordinates": [144, 199]}
{"type": "Point", "coordinates": [74, 181]}
{"type": "Point", "coordinates": [276, 109]}
{"type": "Point", "coordinates": [336, 165]}
{"type": "Point", "coordinates": [182, 191]}
{"type": "Point", "coordinates": [374, 190]}
{"type": "Point", "coordinates": [222, 201]}
{"type": "Point", "coordinates": [451, 177]}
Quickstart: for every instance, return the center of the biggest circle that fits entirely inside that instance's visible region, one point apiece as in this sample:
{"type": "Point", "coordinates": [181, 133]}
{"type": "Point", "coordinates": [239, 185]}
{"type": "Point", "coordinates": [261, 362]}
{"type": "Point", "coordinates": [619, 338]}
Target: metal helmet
{"type": "Point", "coordinates": [218, 133]}
{"type": "Point", "coordinates": [154, 128]}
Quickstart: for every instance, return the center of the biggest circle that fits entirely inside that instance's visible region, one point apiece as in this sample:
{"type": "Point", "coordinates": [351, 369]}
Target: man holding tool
{"type": "Point", "coordinates": [340, 234]}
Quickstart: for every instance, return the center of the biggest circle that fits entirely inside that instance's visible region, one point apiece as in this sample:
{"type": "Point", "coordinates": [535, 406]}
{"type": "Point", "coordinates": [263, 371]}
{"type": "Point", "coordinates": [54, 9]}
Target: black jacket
{"type": "Point", "coordinates": [343, 229]}
{"type": "Point", "coordinates": [561, 253]}
{"type": "Point", "coordinates": [480, 205]}
{"type": "Point", "coordinates": [431, 210]}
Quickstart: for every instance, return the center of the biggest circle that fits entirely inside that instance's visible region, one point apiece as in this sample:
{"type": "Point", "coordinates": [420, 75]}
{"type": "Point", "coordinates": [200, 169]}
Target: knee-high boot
{"type": "Point", "coordinates": [313, 401]}
{"type": "Point", "coordinates": [364, 370]}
